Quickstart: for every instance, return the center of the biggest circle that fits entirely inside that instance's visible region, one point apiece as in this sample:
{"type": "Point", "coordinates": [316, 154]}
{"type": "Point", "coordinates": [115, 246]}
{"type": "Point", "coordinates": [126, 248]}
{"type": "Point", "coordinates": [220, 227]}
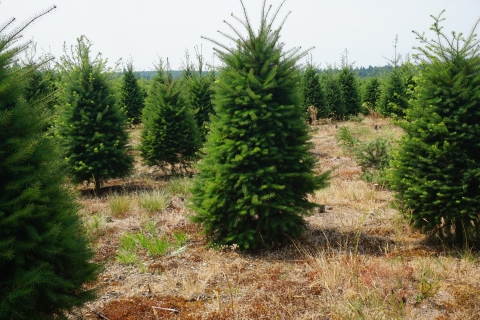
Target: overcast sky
{"type": "Point", "coordinates": [148, 29]}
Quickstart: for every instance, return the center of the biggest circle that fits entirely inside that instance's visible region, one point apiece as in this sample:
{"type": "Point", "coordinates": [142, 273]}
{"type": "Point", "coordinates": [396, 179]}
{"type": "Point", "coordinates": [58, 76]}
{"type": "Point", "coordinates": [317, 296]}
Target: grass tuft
{"type": "Point", "coordinates": [155, 201]}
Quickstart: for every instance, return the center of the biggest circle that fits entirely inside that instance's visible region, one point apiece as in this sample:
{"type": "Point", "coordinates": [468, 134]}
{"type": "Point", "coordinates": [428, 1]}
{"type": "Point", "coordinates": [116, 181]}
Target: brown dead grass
{"type": "Point", "coordinates": [358, 260]}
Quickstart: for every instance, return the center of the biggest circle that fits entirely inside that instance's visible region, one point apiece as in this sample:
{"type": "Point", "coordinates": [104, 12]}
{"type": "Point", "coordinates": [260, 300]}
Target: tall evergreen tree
{"type": "Point", "coordinates": [131, 97]}
{"type": "Point", "coordinates": [258, 170]}
{"type": "Point", "coordinates": [347, 81]}
{"type": "Point", "coordinates": [333, 96]}
{"type": "Point", "coordinates": [170, 135]}
{"type": "Point", "coordinates": [44, 253]}
{"type": "Point", "coordinates": [394, 101]}
{"type": "Point", "coordinates": [394, 98]}
{"type": "Point", "coordinates": [312, 92]}
{"type": "Point", "coordinates": [436, 170]}
{"type": "Point", "coordinates": [200, 92]}
{"type": "Point", "coordinates": [92, 128]}
{"type": "Point", "coordinates": [372, 93]}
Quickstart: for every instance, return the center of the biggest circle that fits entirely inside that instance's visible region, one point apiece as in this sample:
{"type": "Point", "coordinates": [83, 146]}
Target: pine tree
{"type": "Point", "coordinates": [131, 98]}
{"type": "Point", "coordinates": [436, 170]}
{"type": "Point", "coordinates": [257, 170]}
{"type": "Point", "coordinates": [92, 128]}
{"type": "Point", "coordinates": [333, 96]}
{"type": "Point", "coordinates": [44, 253]}
{"type": "Point", "coordinates": [312, 92]}
{"type": "Point", "coordinates": [347, 81]}
{"type": "Point", "coordinates": [372, 93]}
{"type": "Point", "coordinates": [170, 135]}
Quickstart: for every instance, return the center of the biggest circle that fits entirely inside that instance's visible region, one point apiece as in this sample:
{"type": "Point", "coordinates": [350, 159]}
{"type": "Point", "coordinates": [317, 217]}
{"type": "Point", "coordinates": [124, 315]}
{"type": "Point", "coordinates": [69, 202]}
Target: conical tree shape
{"type": "Point", "coordinates": [333, 96]}
{"type": "Point", "coordinates": [372, 93]}
{"type": "Point", "coordinates": [92, 128]}
{"type": "Point", "coordinates": [436, 170]}
{"type": "Point", "coordinates": [170, 134]}
{"type": "Point", "coordinates": [394, 101]}
{"type": "Point", "coordinates": [258, 170]}
{"type": "Point", "coordinates": [312, 92]}
{"type": "Point", "coordinates": [200, 92]}
{"type": "Point", "coordinates": [131, 97]}
{"type": "Point", "coordinates": [44, 253]}
{"type": "Point", "coordinates": [350, 92]}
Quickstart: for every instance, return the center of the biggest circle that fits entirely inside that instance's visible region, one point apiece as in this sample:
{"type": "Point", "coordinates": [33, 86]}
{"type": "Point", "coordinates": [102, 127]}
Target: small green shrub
{"type": "Point", "coordinates": [346, 139]}
{"type": "Point", "coordinates": [372, 156]}
{"type": "Point", "coordinates": [154, 201]}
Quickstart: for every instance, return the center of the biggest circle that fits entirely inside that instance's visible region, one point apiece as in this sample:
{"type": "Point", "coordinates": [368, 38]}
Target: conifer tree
{"type": "Point", "coordinates": [44, 253]}
{"type": "Point", "coordinates": [312, 92]}
{"type": "Point", "coordinates": [92, 129]}
{"type": "Point", "coordinates": [131, 97]}
{"type": "Point", "coordinates": [347, 81]}
{"type": "Point", "coordinates": [257, 170]}
{"type": "Point", "coordinates": [393, 101]}
{"type": "Point", "coordinates": [436, 170]}
{"type": "Point", "coordinates": [372, 93]}
{"type": "Point", "coordinates": [333, 96]}
{"type": "Point", "coordinates": [394, 98]}
{"type": "Point", "coordinates": [200, 92]}
{"type": "Point", "coordinates": [170, 135]}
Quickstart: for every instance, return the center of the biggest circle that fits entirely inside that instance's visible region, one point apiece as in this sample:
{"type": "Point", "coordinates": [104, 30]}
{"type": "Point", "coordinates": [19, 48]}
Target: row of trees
{"type": "Point", "coordinates": [341, 93]}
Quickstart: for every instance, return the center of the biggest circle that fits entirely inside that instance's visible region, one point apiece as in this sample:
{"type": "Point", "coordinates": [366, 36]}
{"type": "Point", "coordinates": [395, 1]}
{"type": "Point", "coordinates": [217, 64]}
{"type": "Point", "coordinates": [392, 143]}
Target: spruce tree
{"type": "Point", "coordinates": [436, 170]}
{"type": "Point", "coordinates": [312, 92]}
{"type": "Point", "coordinates": [372, 92]}
{"type": "Point", "coordinates": [170, 135]}
{"type": "Point", "coordinates": [347, 81]}
{"type": "Point", "coordinates": [92, 129]}
{"type": "Point", "coordinates": [333, 96]}
{"type": "Point", "coordinates": [131, 97]}
{"type": "Point", "coordinates": [257, 170]}
{"type": "Point", "coordinates": [44, 253]}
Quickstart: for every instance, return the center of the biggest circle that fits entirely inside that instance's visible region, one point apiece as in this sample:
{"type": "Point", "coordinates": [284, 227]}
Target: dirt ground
{"type": "Point", "coordinates": [357, 260]}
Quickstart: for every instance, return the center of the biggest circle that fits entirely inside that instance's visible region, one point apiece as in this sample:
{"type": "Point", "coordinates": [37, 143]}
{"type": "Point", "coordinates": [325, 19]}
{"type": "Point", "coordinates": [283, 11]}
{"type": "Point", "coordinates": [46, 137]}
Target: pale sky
{"type": "Point", "coordinates": [148, 29]}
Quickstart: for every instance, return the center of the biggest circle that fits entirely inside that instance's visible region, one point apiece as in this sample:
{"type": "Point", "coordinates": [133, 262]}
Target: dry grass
{"type": "Point", "coordinates": [358, 260]}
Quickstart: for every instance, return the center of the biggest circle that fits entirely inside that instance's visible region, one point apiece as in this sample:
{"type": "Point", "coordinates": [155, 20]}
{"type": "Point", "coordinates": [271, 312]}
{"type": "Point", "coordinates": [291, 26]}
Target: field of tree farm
{"type": "Point", "coordinates": [360, 259]}
{"type": "Point", "coordinates": [264, 188]}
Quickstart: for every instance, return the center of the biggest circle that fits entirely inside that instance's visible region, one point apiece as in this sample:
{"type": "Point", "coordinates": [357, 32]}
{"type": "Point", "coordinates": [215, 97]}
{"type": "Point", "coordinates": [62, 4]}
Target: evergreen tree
{"type": "Point", "coordinates": [132, 97]}
{"type": "Point", "coordinates": [200, 92]}
{"type": "Point", "coordinates": [436, 170]}
{"type": "Point", "coordinates": [170, 135]}
{"type": "Point", "coordinates": [372, 93]}
{"type": "Point", "coordinates": [92, 128]}
{"type": "Point", "coordinates": [347, 81]}
{"type": "Point", "coordinates": [257, 170]}
{"type": "Point", "coordinates": [44, 253]}
{"type": "Point", "coordinates": [333, 96]}
{"type": "Point", "coordinates": [394, 100]}
{"type": "Point", "coordinates": [312, 92]}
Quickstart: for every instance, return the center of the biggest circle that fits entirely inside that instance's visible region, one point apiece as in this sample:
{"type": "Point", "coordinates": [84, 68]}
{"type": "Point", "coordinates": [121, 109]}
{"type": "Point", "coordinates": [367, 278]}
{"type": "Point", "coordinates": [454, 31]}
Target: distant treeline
{"type": "Point", "coordinates": [362, 72]}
